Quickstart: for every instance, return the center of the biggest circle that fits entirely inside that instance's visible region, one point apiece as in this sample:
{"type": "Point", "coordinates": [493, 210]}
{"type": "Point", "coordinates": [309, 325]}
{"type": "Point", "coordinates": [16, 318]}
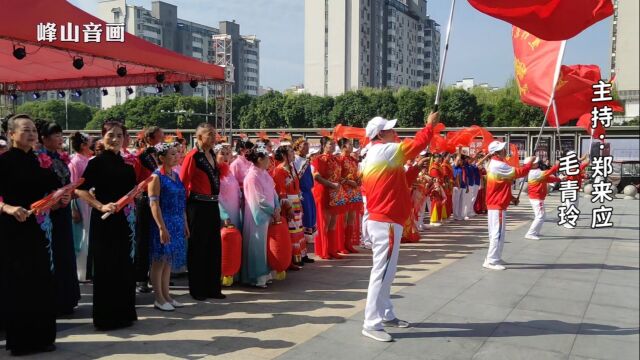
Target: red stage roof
{"type": "Point", "coordinates": [48, 65]}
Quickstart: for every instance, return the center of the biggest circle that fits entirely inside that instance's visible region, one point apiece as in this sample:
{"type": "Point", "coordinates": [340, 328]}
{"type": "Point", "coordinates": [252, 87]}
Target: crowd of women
{"type": "Point", "coordinates": [136, 216]}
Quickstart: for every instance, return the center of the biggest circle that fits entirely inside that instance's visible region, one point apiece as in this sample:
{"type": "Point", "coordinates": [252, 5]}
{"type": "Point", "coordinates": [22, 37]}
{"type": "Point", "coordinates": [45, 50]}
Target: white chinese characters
{"type": "Point", "coordinates": [69, 32]}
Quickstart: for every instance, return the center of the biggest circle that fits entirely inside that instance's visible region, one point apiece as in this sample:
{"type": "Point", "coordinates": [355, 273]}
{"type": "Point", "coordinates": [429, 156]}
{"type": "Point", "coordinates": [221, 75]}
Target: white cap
{"type": "Point", "coordinates": [496, 146]}
{"type": "Point", "coordinates": [377, 124]}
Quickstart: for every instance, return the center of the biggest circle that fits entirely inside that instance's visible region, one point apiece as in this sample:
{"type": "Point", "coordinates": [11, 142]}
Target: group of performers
{"type": "Point", "coordinates": [137, 216]}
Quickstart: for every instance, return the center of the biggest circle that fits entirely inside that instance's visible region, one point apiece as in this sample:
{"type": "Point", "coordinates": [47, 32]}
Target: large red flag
{"type": "Point", "coordinates": [535, 61]}
{"type": "Point", "coordinates": [585, 123]}
{"type": "Point", "coordinates": [547, 19]}
{"type": "Point", "coordinates": [574, 93]}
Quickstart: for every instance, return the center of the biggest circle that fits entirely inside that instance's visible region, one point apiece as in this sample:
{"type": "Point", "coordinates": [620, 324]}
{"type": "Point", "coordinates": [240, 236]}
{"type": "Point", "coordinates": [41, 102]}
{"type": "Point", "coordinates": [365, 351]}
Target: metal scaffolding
{"type": "Point", "coordinates": [223, 91]}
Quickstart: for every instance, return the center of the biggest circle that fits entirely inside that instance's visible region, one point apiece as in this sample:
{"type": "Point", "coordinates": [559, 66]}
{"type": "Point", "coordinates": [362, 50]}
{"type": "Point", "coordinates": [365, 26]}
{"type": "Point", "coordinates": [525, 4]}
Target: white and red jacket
{"type": "Point", "coordinates": [538, 181]}
{"type": "Point", "coordinates": [384, 180]}
{"type": "Point", "coordinates": [500, 176]}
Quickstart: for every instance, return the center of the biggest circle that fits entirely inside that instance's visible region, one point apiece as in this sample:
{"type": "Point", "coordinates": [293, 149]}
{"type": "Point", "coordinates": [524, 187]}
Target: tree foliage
{"type": "Point", "coordinates": [458, 108]}
{"type": "Point", "coordinates": [77, 114]}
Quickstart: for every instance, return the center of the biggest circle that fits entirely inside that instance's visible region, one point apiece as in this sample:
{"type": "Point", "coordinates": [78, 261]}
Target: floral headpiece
{"type": "Point", "coordinates": [163, 147]}
{"type": "Point", "coordinates": [261, 149]}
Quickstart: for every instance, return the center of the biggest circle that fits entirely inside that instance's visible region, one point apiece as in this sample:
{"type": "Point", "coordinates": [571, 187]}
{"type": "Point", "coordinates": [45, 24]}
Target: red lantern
{"type": "Point", "coordinates": [279, 247]}
{"type": "Point", "coordinates": [231, 253]}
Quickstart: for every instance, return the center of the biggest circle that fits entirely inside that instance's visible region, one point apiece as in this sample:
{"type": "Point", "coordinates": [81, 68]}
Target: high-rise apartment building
{"type": "Point", "coordinates": [625, 54]}
{"type": "Point", "coordinates": [352, 44]}
{"type": "Point", "coordinates": [161, 26]}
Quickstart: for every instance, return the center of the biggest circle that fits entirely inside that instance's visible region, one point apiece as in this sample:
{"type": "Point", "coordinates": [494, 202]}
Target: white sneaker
{"type": "Point", "coordinates": [176, 304]}
{"type": "Point", "coordinates": [436, 224]}
{"type": "Point", "coordinates": [163, 307]}
{"type": "Point", "coordinates": [378, 335]}
{"type": "Point", "coordinates": [466, 218]}
{"type": "Point", "coordinates": [397, 323]}
{"type": "Point", "coordinates": [490, 266]}
{"type": "Point", "coordinates": [531, 237]}
{"type": "Point", "coordinates": [502, 262]}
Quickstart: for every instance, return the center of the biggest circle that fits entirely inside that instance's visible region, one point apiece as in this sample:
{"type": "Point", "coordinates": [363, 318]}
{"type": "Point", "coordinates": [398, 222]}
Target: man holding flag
{"type": "Point", "coordinates": [389, 206]}
{"type": "Point", "coordinates": [500, 177]}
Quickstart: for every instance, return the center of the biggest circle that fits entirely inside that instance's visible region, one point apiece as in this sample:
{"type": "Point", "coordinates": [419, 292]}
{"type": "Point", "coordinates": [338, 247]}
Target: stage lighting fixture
{"type": "Point", "coordinates": [193, 83]}
{"type": "Point", "coordinates": [35, 96]}
{"type": "Point", "coordinates": [122, 71]}
{"type": "Point", "coordinates": [176, 88]}
{"type": "Point", "coordinates": [160, 78]}
{"type": "Point", "coordinates": [129, 90]}
{"type": "Point", "coordinates": [61, 94]}
{"type": "Point", "coordinates": [105, 92]}
{"type": "Point", "coordinates": [78, 62]}
{"type": "Point", "coordinates": [77, 93]}
{"type": "Point", "coordinates": [19, 52]}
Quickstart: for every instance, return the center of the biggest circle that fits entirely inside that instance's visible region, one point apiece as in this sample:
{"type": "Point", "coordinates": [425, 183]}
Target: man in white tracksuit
{"type": "Point", "coordinates": [500, 177]}
{"type": "Point", "coordinates": [389, 206]}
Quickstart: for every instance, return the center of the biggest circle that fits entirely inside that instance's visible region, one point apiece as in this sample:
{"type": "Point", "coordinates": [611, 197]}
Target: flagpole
{"type": "Point", "coordinates": [552, 103]}
{"type": "Point", "coordinates": [556, 75]}
{"type": "Point", "coordinates": [444, 57]}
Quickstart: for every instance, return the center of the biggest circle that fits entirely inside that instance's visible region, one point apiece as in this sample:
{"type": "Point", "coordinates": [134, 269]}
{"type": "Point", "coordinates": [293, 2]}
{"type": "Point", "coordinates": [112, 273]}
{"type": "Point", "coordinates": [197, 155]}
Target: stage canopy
{"type": "Point", "coordinates": [49, 65]}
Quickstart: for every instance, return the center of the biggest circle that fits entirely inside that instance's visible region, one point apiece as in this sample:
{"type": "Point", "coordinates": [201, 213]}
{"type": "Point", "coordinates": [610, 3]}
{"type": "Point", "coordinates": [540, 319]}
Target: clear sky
{"type": "Point", "coordinates": [480, 46]}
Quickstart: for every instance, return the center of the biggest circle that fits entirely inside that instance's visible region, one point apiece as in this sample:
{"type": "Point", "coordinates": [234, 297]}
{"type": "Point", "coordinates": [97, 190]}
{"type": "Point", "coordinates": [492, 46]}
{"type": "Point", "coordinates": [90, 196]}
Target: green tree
{"type": "Point", "coordinates": [381, 103]}
{"type": "Point", "coordinates": [240, 103]}
{"type": "Point", "coordinates": [352, 109]}
{"type": "Point", "coordinates": [318, 111]}
{"type": "Point", "coordinates": [411, 105]}
{"type": "Point", "coordinates": [264, 112]}
{"type": "Point", "coordinates": [460, 108]}
{"type": "Point", "coordinates": [294, 110]}
{"type": "Point", "coordinates": [78, 114]}
{"type": "Point", "coordinates": [505, 112]}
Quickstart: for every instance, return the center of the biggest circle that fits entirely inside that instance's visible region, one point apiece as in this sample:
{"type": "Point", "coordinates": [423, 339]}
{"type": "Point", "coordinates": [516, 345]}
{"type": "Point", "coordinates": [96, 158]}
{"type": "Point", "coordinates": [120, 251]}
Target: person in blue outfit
{"type": "Point", "coordinates": [167, 198]}
{"type": "Point", "coordinates": [303, 169]}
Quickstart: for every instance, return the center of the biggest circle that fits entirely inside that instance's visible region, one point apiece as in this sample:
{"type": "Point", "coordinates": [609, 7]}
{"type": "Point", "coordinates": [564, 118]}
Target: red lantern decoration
{"type": "Point", "coordinates": [231, 253]}
{"type": "Point", "coordinates": [279, 247]}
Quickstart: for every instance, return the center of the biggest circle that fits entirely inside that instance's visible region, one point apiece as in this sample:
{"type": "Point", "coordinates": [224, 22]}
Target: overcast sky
{"type": "Point", "coordinates": [480, 46]}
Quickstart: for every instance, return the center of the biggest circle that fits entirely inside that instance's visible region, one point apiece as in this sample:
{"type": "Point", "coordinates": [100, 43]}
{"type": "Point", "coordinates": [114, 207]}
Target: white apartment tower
{"type": "Point", "coordinates": [161, 26]}
{"type": "Point", "coordinates": [625, 54]}
{"type": "Point", "coordinates": [352, 44]}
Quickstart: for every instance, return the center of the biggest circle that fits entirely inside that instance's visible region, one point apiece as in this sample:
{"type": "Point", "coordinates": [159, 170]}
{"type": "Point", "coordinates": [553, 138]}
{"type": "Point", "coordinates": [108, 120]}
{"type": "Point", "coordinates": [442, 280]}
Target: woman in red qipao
{"type": "Point", "coordinates": [288, 190]}
{"type": "Point", "coordinates": [447, 175]}
{"type": "Point", "coordinates": [351, 182]}
{"type": "Point", "coordinates": [330, 199]}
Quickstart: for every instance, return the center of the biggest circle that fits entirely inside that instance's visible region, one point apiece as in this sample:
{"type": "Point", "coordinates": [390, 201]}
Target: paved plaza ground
{"type": "Point", "coordinates": [572, 295]}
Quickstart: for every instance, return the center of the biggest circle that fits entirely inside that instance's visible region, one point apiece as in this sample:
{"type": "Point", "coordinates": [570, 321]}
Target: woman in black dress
{"type": "Point", "coordinates": [64, 257]}
{"type": "Point", "coordinates": [112, 241]}
{"type": "Point", "coordinates": [27, 285]}
{"type": "Point", "coordinates": [201, 178]}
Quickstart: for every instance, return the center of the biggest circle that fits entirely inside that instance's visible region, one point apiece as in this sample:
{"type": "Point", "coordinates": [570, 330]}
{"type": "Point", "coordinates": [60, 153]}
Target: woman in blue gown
{"type": "Point", "coordinates": [167, 198]}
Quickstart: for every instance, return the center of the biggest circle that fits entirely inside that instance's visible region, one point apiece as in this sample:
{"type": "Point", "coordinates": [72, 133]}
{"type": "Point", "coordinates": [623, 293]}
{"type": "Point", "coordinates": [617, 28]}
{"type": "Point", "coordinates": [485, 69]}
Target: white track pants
{"type": "Point", "coordinates": [467, 207]}
{"type": "Point", "coordinates": [497, 229]}
{"type": "Point", "coordinates": [365, 217]}
{"type": "Point", "coordinates": [538, 217]}
{"type": "Point", "coordinates": [473, 190]}
{"type": "Point", "coordinates": [385, 261]}
{"type": "Point", "coordinates": [425, 202]}
{"type": "Point", "coordinates": [458, 203]}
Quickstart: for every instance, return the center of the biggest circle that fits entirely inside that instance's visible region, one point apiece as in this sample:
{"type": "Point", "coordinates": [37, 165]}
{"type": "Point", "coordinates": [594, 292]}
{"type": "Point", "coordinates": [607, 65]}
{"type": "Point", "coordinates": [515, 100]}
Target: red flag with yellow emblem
{"type": "Point", "coordinates": [535, 61]}
{"type": "Point", "coordinates": [574, 93]}
{"type": "Point", "coordinates": [548, 19]}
